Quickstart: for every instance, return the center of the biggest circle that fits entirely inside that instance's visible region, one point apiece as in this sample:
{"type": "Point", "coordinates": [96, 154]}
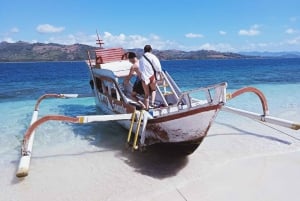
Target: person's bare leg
{"type": "Point", "coordinates": [146, 97]}
{"type": "Point", "coordinates": [133, 95]}
{"type": "Point", "coordinates": [153, 92]}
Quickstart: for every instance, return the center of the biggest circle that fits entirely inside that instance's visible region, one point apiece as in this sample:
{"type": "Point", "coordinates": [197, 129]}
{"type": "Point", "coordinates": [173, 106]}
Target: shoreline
{"type": "Point", "coordinates": [206, 59]}
{"type": "Point", "coordinates": [218, 170]}
{"type": "Point", "coordinates": [238, 160]}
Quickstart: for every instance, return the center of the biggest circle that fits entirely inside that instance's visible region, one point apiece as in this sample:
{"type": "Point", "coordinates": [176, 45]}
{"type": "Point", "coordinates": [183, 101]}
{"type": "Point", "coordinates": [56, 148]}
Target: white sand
{"type": "Point", "coordinates": [251, 162]}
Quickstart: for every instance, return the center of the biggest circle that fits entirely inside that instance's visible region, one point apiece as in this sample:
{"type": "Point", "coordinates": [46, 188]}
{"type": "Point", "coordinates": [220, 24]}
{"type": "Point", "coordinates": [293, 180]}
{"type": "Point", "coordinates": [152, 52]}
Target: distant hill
{"type": "Point", "coordinates": [193, 55]}
{"type": "Point", "coordinates": [23, 51]}
{"type": "Point", "coordinates": [273, 54]}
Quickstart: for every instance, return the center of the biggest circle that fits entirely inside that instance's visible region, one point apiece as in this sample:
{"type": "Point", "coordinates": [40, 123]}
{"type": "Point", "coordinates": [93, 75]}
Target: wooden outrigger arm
{"type": "Point", "coordinates": [29, 135]}
{"type": "Point", "coordinates": [263, 118]}
{"type": "Point", "coordinates": [260, 117]}
{"type": "Point", "coordinates": [35, 122]}
{"type": "Point", "coordinates": [27, 145]}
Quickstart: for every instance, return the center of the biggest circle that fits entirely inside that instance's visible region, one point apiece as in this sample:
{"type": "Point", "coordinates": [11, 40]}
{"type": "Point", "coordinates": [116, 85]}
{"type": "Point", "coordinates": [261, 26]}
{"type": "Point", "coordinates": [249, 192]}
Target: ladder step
{"type": "Point", "coordinates": [163, 85]}
{"type": "Point", "coordinates": [168, 93]}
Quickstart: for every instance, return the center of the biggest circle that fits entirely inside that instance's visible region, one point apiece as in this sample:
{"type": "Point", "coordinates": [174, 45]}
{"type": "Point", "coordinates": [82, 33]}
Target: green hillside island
{"type": "Point", "coordinates": [27, 52]}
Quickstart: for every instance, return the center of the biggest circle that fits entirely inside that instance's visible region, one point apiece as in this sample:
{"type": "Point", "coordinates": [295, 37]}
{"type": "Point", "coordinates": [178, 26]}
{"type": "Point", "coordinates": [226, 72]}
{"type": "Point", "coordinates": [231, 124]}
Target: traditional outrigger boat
{"type": "Point", "coordinates": [181, 121]}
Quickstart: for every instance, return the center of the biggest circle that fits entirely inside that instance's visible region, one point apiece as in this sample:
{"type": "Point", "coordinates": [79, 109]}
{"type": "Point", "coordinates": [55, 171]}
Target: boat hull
{"type": "Point", "coordinates": [186, 126]}
{"type": "Point", "coordinates": [176, 148]}
{"type": "Point", "coordinates": [179, 133]}
{"type": "Point", "coordinates": [182, 122]}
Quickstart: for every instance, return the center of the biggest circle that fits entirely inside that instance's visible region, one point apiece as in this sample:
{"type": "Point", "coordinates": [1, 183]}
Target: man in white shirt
{"type": "Point", "coordinates": [150, 68]}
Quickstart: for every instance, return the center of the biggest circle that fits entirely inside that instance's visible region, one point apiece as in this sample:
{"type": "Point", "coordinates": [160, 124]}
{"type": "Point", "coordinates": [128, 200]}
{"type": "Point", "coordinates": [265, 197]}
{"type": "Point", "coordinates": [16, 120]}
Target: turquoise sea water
{"type": "Point", "coordinates": [22, 83]}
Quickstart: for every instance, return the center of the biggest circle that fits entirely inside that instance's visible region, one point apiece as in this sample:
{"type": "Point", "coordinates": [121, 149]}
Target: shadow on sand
{"type": "Point", "coordinates": [244, 132]}
{"type": "Point", "coordinates": [155, 162]}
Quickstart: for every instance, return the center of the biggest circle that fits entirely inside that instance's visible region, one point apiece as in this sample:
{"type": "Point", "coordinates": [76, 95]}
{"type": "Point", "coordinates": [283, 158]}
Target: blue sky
{"type": "Point", "coordinates": [231, 25]}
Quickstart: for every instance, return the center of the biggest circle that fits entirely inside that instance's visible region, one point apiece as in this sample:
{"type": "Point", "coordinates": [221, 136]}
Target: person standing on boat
{"type": "Point", "coordinates": [150, 68]}
{"type": "Point", "coordinates": [134, 70]}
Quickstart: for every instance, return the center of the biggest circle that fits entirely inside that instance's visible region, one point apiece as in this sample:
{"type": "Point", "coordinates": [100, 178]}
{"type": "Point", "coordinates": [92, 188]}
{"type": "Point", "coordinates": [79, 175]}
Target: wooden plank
{"type": "Point", "coordinates": [263, 118]}
{"type": "Point", "coordinates": [109, 55]}
{"type": "Point", "coordinates": [101, 118]}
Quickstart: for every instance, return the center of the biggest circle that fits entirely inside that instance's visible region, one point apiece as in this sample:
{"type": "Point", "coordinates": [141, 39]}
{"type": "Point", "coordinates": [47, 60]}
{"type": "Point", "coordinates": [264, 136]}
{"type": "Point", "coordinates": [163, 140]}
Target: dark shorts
{"type": "Point", "coordinates": [138, 87]}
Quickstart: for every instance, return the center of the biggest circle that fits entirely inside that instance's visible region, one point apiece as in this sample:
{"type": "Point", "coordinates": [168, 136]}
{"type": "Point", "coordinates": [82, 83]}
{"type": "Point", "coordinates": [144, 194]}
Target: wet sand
{"type": "Point", "coordinates": [249, 162]}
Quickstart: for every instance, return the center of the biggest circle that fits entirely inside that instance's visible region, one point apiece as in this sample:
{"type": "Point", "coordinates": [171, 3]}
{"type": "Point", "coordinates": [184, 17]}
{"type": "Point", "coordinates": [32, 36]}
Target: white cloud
{"type": "Point", "coordinates": [263, 46]}
{"type": "Point", "coordinates": [70, 39]}
{"type": "Point", "coordinates": [119, 40]}
{"type": "Point", "coordinates": [14, 30]}
{"type": "Point", "coordinates": [278, 46]}
{"type": "Point", "coordinates": [8, 39]}
{"type": "Point", "coordinates": [222, 33]}
{"type": "Point", "coordinates": [193, 35]}
{"type": "Point", "coordinates": [253, 31]}
{"type": "Point", "coordinates": [222, 47]}
{"type": "Point", "coordinates": [290, 31]}
{"type": "Point", "coordinates": [294, 41]}
{"type": "Point", "coordinates": [48, 28]}
{"type": "Point", "coordinates": [138, 41]}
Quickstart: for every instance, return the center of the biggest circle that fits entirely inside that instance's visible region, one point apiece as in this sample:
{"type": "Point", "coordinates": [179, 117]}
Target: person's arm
{"type": "Point", "coordinates": [126, 80]}
{"type": "Point", "coordinates": [131, 73]}
{"type": "Point", "coordinates": [156, 63]}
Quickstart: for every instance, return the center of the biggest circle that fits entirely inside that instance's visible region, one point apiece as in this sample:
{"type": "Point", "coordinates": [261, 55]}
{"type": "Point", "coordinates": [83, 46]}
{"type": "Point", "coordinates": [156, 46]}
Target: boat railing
{"type": "Point", "coordinates": [213, 94]}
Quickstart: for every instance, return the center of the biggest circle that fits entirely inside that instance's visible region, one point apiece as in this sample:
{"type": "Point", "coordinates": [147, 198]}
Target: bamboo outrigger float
{"type": "Point", "coordinates": [181, 122]}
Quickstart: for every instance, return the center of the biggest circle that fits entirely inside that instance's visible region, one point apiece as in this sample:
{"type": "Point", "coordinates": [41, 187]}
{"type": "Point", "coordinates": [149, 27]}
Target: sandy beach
{"type": "Point", "coordinates": [63, 64]}
{"type": "Point", "coordinates": [249, 162]}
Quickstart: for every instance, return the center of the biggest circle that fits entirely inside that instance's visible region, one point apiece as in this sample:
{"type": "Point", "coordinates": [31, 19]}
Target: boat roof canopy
{"type": "Point", "coordinates": [111, 59]}
{"type": "Point", "coordinates": [118, 69]}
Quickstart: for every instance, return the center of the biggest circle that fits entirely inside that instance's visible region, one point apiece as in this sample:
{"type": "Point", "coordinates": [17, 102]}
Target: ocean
{"type": "Point", "coordinates": [22, 83]}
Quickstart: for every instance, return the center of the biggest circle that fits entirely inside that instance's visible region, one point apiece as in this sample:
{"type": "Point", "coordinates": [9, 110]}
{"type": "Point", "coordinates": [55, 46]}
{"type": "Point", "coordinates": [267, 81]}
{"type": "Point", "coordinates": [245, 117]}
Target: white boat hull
{"type": "Point", "coordinates": [182, 126]}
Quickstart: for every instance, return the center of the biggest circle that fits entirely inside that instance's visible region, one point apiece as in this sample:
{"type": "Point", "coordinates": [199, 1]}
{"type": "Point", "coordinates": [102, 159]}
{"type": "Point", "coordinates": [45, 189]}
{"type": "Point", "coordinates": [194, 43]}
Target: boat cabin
{"type": "Point", "coordinates": [111, 66]}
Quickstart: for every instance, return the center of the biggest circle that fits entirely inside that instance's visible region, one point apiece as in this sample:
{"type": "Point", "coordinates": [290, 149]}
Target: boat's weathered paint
{"type": "Point", "coordinates": [179, 125]}
{"type": "Point", "coordinates": [183, 126]}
